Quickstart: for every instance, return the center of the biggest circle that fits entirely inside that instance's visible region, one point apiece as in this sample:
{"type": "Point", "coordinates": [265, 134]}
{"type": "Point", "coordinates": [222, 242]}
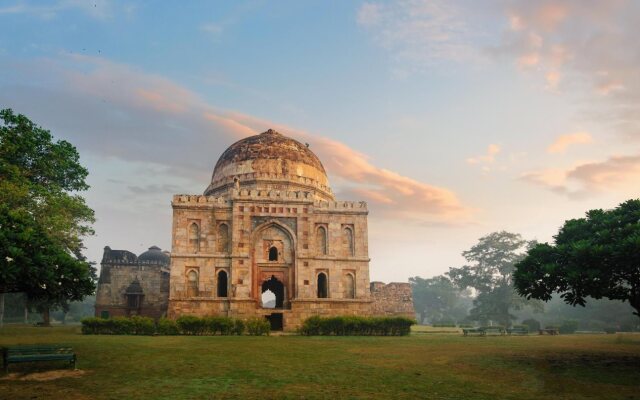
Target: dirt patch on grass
{"type": "Point", "coordinates": [44, 376]}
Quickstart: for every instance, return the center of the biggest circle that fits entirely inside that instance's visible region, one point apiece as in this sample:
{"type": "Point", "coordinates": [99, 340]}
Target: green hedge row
{"type": "Point", "coordinates": [185, 325]}
{"type": "Point", "coordinates": [118, 326]}
{"type": "Point", "coordinates": [357, 326]}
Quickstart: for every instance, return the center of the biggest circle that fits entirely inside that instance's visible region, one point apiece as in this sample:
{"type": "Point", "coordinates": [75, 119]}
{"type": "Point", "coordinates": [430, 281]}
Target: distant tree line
{"type": "Point", "coordinates": [594, 262]}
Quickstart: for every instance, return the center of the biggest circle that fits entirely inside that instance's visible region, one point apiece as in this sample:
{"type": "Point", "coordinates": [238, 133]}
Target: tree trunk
{"type": "Point", "coordinates": [1, 310]}
{"type": "Point", "coordinates": [26, 314]}
{"type": "Point", "coordinates": [46, 318]}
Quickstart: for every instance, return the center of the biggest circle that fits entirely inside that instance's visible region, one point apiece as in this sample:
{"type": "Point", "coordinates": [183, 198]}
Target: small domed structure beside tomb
{"type": "Point", "coordinates": [130, 285]}
{"type": "Point", "coordinates": [268, 239]}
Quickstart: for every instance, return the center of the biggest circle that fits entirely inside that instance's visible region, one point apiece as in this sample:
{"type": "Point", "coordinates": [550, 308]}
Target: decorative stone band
{"type": "Point", "coordinates": [190, 200]}
{"type": "Point", "coordinates": [222, 185]}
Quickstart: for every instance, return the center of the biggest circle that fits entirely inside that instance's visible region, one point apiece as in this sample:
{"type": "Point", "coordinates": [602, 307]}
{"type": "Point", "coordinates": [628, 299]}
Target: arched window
{"type": "Point", "coordinates": [194, 238]}
{"type": "Point", "coordinates": [223, 238]}
{"type": "Point", "coordinates": [348, 241]}
{"type": "Point", "coordinates": [273, 253]}
{"type": "Point", "coordinates": [349, 287]}
{"type": "Point", "coordinates": [322, 286]}
{"type": "Point", "coordinates": [192, 284]}
{"type": "Point", "coordinates": [321, 240]}
{"type": "Point", "coordinates": [222, 284]}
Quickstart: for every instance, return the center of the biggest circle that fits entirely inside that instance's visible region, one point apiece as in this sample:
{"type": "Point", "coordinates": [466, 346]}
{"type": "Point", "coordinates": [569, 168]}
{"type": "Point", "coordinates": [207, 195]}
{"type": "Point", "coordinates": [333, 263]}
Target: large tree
{"type": "Point", "coordinates": [597, 256]}
{"type": "Point", "coordinates": [437, 299]}
{"type": "Point", "coordinates": [489, 273]}
{"type": "Point", "coordinates": [43, 219]}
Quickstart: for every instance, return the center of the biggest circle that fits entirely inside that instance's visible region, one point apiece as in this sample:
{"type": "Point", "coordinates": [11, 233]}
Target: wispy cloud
{"type": "Point", "coordinates": [562, 142]}
{"type": "Point", "coordinates": [573, 42]}
{"type": "Point", "coordinates": [418, 33]}
{"type": "Point", "coordinates": [99, 9]}
{"type": "Point", "coordinates": [117, 111]}
{"type": "Point", "coordinates": [588, 179]}
{"type": "Point", "coordinates": [485, 160]}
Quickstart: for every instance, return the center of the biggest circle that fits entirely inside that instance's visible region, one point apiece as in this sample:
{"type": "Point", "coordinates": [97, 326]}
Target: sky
{"type": "Point", "coordinates": [452, 119]}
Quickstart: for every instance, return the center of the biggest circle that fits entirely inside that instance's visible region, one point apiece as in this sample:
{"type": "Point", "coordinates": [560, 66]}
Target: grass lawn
{"type": "Point", "coordinates": [442, 366]}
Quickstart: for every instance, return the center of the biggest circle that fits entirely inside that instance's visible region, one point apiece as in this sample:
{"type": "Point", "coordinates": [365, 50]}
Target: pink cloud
{"type": "Point", "coordinates": [562, 142]}
{"type": "Point", "coordinates": [620, 173]}
{"type": "Point", "coordinates": [148, 118]}
{"type": "Point", "coordinates": [588, 44]}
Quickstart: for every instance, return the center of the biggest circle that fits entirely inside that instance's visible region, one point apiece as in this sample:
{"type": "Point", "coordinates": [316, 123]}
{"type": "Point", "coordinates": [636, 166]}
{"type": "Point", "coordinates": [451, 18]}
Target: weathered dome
{"type": "Point", "coordinates": [268, 161]}
{"type": "Point", "coordinates": [154, 256]}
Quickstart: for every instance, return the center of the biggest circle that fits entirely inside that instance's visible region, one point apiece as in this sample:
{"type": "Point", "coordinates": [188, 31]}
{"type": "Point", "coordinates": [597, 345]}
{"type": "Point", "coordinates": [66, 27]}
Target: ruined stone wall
{"type": "Point", "coordinates": [154, 281]}
{"type": "Point", "coordinates": [393, 299]}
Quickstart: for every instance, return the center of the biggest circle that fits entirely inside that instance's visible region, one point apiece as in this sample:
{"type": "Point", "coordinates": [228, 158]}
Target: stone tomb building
{"type": "Point", "coordinates": [268, 238]}
{"type": "Point", "coordinates": [131, 285]}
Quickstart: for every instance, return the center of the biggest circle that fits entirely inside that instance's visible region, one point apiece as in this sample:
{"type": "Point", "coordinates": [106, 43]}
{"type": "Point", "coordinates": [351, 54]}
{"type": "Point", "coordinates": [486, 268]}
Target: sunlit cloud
{"type": "Point", "coordinates": [139, 117]}
{"type": "Point", "coordinates": [620, 173]}
{"type": "Point", "coordinates": [485, 160]}
{"type": "Point", "coordinates": [589, 45]}
{"type": "Point", "coordinates": [562, 142]}
{"type": "Point", "coordinates": [418, 33]}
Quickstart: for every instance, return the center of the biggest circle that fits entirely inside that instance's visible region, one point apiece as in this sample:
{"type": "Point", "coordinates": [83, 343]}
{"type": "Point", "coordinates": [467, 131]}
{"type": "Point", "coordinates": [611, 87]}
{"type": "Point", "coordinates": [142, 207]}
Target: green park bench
{"type": "Point", "coordinates": [493, 329]}
{"type": "Point", "coordinates": [482, 331]}
{"type": "Point", "coordinates": [40, 352]}
{"type": "Point", "coordinates": [472, 331]}
{"type": "Point", "coordinates": [518, 330]}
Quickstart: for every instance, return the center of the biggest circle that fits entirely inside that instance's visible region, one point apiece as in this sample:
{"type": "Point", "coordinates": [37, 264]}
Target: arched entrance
{"type": "Point", "coordinates": [277, 288]}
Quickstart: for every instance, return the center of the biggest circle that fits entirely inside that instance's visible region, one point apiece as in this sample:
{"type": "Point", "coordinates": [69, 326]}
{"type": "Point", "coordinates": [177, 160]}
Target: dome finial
{"type": "Point", "coordinates": [271, 132]}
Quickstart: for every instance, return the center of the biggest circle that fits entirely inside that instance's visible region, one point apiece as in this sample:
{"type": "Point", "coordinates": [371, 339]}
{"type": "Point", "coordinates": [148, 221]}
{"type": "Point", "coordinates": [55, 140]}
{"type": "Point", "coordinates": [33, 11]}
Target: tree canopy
{"type": "Point", "coordinates": [596, 256]}
{"type": "Point", "coordinates": [489, 273]}
{"type": "Point", "coordinates": [437, 299]}
{"type": "Point", "coordinates": [42, 217]}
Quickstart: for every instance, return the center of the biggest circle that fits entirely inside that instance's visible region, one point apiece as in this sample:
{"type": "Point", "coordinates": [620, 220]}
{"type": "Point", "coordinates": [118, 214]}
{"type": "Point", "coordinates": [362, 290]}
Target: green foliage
{"type": "Point", "coordinates": [356, 326]}
{"type": "Point", "coordinates": [568, 326]}
{"type": "Point", "coordinates": [490, 273]}
{"type": "Point", "coordinates": [185, 325]}
{"type": "Point", "coordinates": [532, 324]}
{"type": "Point", "coordinates": [190, 325]}
{"type": "Point", "coordinates": [258, 326]}
{"type": "Point", "coordinates": [167, 326]}
{"type": "Point", "coordinates": [221, 325]}
{"type": "Point", "coordinates": [42, 219]}
{"type": "Point", "coordinates": [118, 326]}
{"type": "Point", "coordinates": [437, 299]}
{"type": "Point", "coordinates": [597, 256]}
{"type": "Point", "coordinates": [238, 327]}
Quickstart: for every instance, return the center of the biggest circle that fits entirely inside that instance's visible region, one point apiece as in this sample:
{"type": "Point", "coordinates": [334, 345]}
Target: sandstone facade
{"type": "Point", "coordinates": [131, 285]}
{"type": "Point", "coordinates": [395, 298]}
{"type": "Point", "coordinates": [269, 239]}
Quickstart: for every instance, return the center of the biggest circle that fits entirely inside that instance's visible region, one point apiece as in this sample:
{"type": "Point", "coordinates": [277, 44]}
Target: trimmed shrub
{"type": "Point", "coordinates": [238, 327]}
{"type": "Point", "coordinates": [357, 326]}
{"type": "Point", "coordinates": [222, 325]}
{"type": "Point", "coordinates": [91, 325]}
{"type": "Point", "coordinates": [190, 325]}
{"type": "Point", "coordinates": [167, 327]}
{"type": "Point", "coordinates": [258, 326]}
{"type": "Point", "coordinates": [142, 326]}
{"type": "Point", "coordinates": [532, 324]}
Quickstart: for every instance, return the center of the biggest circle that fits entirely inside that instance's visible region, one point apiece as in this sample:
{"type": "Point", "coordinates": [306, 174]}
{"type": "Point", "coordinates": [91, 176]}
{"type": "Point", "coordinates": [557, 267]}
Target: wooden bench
{"type": "Point", "coordinates": [482, 331]}
{"type": "Point", "coordinates": [518, 331]}
{"type": "Point", "coordinates": [40, 352]}
{"type": "Point", "coordinates": [549, 331]}
{"type": "Point", "coordinates": [493, 329]}
{"type": "Point", "coordinates": [471, 331]}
